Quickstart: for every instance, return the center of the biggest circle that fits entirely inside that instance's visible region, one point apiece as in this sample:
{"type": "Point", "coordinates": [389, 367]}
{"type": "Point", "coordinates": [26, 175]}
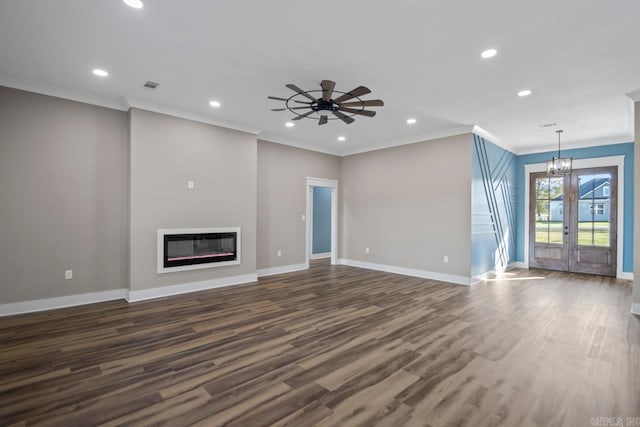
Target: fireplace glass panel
{"type": "Point", "coordinates": [188, 249]}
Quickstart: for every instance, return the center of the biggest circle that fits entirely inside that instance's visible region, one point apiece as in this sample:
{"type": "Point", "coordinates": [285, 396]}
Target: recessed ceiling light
{"type": "Point", "coordinates": [289, 124]}
{"type": "Point", "coordinates": [489, 53]}
{"type": "Point", "coordinates": [342, 138]}
{"type": "Point", "coordinates": [525, 92]}
{"type": "Point", "coordinates": [100, 73]}
{"type": "Point", "coordinates": [136, 4]}
{"type": "Point", "coordinates": [411, 121]}
{"type": "Point", "coordinates": [215, 104]}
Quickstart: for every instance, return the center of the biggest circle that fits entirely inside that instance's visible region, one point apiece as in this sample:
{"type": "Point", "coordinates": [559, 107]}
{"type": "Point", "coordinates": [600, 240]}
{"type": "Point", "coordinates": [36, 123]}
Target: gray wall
{"type": "Point", "coordinates": [410, 205]}
{"type": "Point", "coordinates": [636, 246]}
{"type": "Point", "coordinates": [166, 153]}
{"type": "Point", "coordinates": [282, 201]}
{"type": "Point", "coordinates": [63, 187]}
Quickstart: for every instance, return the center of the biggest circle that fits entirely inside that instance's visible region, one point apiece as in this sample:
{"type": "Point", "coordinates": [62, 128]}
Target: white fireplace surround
{"type": "Point", "coordinates": [168, 231]}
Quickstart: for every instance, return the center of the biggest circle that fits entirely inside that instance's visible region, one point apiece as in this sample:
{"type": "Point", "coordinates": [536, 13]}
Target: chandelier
{"type": "Point", "coordinates": [559, 165]}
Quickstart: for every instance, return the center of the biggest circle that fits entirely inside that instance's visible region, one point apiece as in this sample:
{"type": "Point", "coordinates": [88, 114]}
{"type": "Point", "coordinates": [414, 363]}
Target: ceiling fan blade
{"type": "Point", "coordinates": [327, 89]}
{"type": "Point", "coordinates": [323, 120]}
{"type": "Point", "coordinates": [368, 103]}
{"type": "Point", "coordinates": [285, 100]}
{"type": "Point", "coordinates": [348, 120]}
{"type": "Point", "coordinates": [300, 91]}
{"type": "Point", "coordinates": [358, 112]}
{"type": "Point", "coordinates": [359, 91]}
{"type": "Point", "coordinates": [302, 116]}
{"type": "Point", "coordinates": [290, 108]}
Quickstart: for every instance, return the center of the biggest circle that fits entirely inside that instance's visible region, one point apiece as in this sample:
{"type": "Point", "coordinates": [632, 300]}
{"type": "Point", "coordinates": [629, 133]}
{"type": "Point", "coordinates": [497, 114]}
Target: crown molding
{"type": "Point", "coordinates": [631, 116]}
{"type": "Point", "coordinates": [634, 96]}
{"type": "Point", "coordinates": [460, 130]}
{"type": "Point", "coordinates": [185, 114]}
{"type": "Point", "coordinates": [607, 140]}
{"type": "Point", "coordinates": [292, 144]}
{"type": "Point", "coordinates": [485, 134]}
{"type": "Point", "coordinates": [63, 93]}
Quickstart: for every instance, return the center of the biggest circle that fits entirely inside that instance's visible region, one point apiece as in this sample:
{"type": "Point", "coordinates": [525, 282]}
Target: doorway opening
{"type": "Point", "coordinates": [322, 219]}
{"type": "Point", "coordinates": [320, 223]}
{"type": "Point", "coordinates": [573, 221]}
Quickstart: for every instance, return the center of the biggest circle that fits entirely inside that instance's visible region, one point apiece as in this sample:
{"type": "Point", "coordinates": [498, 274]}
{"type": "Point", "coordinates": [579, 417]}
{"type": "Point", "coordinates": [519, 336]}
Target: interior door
{"type": "Point", "coordinates": [593, 221]}
{"type": "Point", "coordinates": [548, 229]}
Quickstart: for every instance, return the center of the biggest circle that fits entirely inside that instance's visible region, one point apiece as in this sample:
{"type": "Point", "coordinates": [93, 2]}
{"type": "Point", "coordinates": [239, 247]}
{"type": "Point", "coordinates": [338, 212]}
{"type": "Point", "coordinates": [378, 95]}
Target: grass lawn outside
{"type": "Point", "coordinates": [551, 232]}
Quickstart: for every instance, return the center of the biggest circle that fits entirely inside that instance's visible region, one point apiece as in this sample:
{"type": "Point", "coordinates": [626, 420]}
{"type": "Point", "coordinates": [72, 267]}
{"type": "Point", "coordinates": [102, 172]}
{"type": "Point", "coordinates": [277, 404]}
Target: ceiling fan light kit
{"type": "Point", "coordinates": [323, 107]}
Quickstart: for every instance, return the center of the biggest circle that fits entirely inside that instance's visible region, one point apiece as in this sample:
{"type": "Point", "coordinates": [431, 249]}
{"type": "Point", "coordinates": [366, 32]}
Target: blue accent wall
{"type": "Point", "coordinates": [625, 150]}
{"type": "Point", "coordinates": [493, 207]}
{"type": "Point", "coordinates": [321, 220]}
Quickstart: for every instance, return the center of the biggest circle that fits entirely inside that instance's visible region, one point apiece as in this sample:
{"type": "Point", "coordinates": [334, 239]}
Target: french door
{"type": "Point", "coordinates": [573, 221]}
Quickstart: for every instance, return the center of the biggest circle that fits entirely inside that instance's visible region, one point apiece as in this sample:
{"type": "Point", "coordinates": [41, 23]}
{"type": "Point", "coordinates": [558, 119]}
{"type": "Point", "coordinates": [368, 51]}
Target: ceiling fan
{"type": "Point", "coordinates": [322, 106]}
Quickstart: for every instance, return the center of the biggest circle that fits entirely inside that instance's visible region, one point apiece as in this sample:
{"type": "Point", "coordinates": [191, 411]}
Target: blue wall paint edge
{"type": "Point", "coordinates": [493, 207]}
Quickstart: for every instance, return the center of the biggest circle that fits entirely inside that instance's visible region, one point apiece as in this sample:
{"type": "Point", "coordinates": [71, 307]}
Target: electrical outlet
{"type": "Point", "coordinates": [366, 250]}
{"type": "Point", "coordinates": [68, 274]}
{"type": "Point", "coordinates": [279, 252]}
{"type": "Point", "coordinates": [191, 185]}
{"type": "Point", "coordinates": [446, 259]}
{"type": "Point", "coordinates": [303, 217]}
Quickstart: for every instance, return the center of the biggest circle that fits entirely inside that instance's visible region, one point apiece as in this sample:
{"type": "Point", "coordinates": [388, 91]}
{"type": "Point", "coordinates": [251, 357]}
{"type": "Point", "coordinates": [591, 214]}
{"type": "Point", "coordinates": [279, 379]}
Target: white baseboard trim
{"type": "Point", "coordinates": [519, 264]}
{"type": "Point", "coordinates": [33, 306]}
{"type": "Point", "coordinates": [165, 291]}
{"type": "Point", "coordinates": [320, 256]}
{"type": "Point", "coordinates": [449, 278]}
{"type": "Point", "coordinates": [635, 308]}
{"type": "Point", "coordinates": [625, 276]}
{"type": "Point", "coordinates": [484, 276]}
{"type": "Point", "coordinates": [281, 270]}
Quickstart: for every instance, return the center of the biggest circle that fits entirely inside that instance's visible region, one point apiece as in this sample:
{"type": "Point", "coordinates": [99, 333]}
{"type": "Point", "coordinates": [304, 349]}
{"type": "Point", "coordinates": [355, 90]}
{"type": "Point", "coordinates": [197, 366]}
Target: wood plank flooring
{"type": "Point", "coordinates": [333, 346]}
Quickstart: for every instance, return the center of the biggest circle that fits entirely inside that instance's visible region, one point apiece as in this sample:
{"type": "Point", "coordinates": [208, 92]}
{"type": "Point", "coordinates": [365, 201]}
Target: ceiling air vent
{"type": "Point", "coordinates": [151, 85]}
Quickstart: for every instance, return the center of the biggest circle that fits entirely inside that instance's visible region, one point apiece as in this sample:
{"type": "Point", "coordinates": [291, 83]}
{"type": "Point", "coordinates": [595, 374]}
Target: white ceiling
{"type": "Point", "coordinates": [579, 57]}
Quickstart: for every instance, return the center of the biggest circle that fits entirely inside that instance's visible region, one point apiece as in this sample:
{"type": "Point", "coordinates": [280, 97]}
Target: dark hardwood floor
{"type": "Point", "coordinates": [336, 346]}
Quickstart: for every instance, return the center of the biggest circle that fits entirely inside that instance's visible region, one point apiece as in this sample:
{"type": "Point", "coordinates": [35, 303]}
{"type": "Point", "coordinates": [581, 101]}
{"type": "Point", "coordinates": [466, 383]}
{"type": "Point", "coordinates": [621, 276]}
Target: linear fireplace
{"type": "Point", "coordinates": [194, 248]}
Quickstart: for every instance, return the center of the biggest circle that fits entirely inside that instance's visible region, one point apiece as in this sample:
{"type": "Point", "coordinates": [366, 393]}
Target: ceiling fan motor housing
{"type": "Point", "coordinates": [324, 106]}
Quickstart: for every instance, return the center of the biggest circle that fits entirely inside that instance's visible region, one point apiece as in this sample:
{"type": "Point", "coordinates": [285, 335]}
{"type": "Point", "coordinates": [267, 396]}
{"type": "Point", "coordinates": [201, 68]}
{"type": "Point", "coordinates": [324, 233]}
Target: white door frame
{"type": "Point", "coordinates": [333, 185]}
{"type": "Point", "coordinates": [582, 164]}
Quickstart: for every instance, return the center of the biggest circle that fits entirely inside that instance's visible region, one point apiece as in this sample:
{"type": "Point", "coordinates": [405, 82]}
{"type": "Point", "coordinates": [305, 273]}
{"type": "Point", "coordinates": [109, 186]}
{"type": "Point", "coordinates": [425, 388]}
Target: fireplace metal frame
{"type": "Point", "coordinates": [165, 231]}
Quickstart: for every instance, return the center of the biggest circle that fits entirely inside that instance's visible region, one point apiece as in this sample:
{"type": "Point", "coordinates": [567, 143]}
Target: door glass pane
{"type": "Point", "coordinates": [555, 188]}
{"type": "Point", "coordinates": [585, 233]}
{"type": "Point", "coordinates": [549, 210]}
{"type": "Point", "coordinates": [555, 232]}
{"type": "Point", "coordinates": [542, 188]}
{"type": "Point", "coordinates": [601, 233]}
{"type": "Point", "coordinates": [594, 209]}
{"type": "Point", "coordinates": [542, 232]}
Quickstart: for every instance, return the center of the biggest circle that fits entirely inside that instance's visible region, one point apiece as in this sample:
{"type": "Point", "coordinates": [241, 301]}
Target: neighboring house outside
{"type": "Point", "coordinates": [593, 204]}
